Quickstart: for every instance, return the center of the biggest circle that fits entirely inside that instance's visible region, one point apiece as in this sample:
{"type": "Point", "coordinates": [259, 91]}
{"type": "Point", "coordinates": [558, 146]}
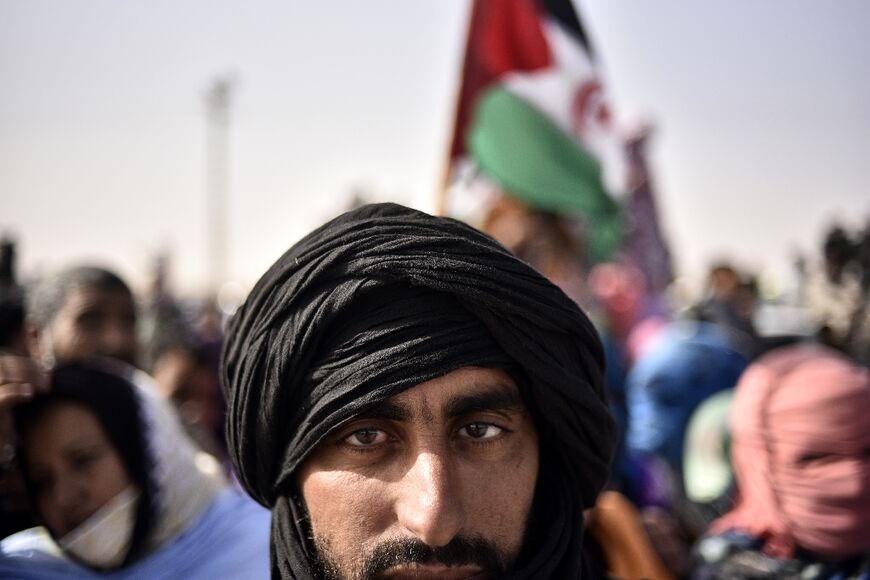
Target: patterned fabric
{"type": "Point", "coordinates": [736, 555]}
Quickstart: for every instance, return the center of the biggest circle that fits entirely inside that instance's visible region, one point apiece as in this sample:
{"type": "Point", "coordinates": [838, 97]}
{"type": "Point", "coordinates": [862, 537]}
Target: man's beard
{"type": "Point", "coordinates": [408, 552]}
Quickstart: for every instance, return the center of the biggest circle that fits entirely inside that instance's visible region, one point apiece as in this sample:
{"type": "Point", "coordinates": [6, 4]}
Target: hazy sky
{"type": "Point", "coordinates": [761, 108]}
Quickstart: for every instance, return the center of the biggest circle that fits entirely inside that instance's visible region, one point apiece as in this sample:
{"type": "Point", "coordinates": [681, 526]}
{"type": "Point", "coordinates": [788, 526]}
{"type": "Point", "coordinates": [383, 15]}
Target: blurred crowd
{"type": "Point", "coordinates": [109, 466]}
{"type": "Point", "coordinates": [742, 454]}
{"type": "Point", "coordinates": [745, 450]}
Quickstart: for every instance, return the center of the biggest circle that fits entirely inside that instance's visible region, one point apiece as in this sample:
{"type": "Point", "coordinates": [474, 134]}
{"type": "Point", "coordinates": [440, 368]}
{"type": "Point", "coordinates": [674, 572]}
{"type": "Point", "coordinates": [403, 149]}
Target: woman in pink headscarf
{"type": "Point", "coordinates": [801, 454]}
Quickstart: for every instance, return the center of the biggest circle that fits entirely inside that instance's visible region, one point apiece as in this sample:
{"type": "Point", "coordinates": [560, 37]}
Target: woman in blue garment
{"type": "Point", "coordinates": [122, 492]}
{"type": "Point", "coordinates": [688, 362]}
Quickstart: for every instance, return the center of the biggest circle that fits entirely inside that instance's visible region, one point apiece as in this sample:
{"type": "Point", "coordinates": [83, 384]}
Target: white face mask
{"type": "Point", "coordinates": [103, 540]}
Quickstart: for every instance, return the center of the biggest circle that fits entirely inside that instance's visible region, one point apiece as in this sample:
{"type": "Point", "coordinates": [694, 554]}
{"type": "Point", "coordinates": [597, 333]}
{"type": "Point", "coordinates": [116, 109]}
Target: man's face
{"type": "Point", "coordinates": [193, 387]}
{"type": "Point", "coordinates": [92, 322]}
{"type": "Point", "coordinates": [436, 482]}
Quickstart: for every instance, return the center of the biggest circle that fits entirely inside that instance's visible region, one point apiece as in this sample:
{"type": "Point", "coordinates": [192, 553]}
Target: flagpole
{"type": "Point", "coordinates": [441, 201]}
{"type": "Point", "coordinates": [217, 105]}
{"type": "Point", "coordinates": [443, 188]}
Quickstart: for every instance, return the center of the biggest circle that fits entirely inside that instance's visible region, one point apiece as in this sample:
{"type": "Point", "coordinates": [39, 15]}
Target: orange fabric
{"type": "Point", "coordinates": [617, 528]}
{"type": "Point", "coordinates": [801, 452]}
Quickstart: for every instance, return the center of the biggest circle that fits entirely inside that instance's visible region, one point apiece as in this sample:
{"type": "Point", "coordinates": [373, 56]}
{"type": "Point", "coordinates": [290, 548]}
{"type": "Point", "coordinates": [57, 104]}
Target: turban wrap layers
{"type": "Point", "coordinates": [382, 299]}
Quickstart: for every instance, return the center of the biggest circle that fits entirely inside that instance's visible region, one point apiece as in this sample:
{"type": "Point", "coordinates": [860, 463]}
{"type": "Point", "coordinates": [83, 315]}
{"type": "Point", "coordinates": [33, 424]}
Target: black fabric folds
{"type": "Point", "coordinates": [381, 299]}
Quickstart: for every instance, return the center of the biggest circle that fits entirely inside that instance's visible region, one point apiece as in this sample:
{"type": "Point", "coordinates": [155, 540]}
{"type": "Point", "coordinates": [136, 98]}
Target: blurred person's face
{"type": "Point", "coordinates": [511, 223]}
{"type": "Point", "coordinates": [724, 282]}
{"type": "Point", "coordinates": [92, 322]}
{"type": "Point", "coordinates": [835, 264]}
{"type": "Point", "coordinates": [73, 467]}
{"type": "Point", "coordinates": [193, 388]}
{"type": "Point", "coordinates": [437, 482]}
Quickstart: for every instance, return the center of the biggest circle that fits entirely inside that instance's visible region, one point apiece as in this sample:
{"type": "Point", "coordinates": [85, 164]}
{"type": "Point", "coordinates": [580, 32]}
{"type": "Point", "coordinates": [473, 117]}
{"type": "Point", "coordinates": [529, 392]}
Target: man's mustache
{"type": "Point", "coordinates": [461, 551]}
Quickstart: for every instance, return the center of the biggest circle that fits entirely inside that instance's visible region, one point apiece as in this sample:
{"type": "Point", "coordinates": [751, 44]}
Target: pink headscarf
{"type": "Point", "coordinates": [801, 453]}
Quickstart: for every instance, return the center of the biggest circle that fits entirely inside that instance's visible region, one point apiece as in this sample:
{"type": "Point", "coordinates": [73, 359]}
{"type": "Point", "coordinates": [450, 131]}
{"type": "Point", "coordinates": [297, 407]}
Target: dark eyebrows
{"type": "Point", "coordinates": [496, 398]}
{"type": "Point", "coordinates": [489, 397]}
{"type": "Point", "coordinates": [385, 410]}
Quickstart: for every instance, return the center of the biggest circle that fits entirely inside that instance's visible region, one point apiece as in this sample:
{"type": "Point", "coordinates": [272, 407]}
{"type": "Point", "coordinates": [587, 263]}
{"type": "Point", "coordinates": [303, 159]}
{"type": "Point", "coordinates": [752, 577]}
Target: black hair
{"type": "Point", "coordinates": [11, 319]}
{"type": "Point", "coordinates": [114, 402]}
{"type": "Point", "coordinates": [49, 295]}
{"type": "Point", "coordinates": [838, 246]}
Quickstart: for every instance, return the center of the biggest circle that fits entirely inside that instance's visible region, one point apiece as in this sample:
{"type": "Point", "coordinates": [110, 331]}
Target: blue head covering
{"type": "Point", "coordinates": [689, 362]}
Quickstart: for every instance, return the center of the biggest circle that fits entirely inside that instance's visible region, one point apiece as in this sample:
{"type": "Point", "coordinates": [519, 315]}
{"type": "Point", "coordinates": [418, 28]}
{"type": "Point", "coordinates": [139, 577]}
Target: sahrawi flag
{"type": "Point", "coordinates": [533, 116]}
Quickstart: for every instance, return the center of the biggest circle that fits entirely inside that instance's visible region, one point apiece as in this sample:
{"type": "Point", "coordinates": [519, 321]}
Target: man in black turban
{"type": "Point", "coordinates": [412, 401]}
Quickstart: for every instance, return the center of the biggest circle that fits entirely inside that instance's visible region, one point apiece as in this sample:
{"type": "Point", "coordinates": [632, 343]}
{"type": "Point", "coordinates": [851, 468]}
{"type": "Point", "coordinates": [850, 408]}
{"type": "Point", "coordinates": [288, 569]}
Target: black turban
{"type": "Point", "coordinates": [382, 299]}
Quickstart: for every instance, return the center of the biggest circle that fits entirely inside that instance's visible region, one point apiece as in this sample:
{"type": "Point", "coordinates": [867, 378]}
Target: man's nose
{"type": "Point", "coordinates": [429, 505]}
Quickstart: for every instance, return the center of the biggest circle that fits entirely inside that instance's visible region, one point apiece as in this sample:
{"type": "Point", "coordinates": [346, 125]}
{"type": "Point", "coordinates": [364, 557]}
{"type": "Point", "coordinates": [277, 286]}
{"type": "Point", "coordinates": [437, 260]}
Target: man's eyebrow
{"type": "Point", "coordinates": [385, 410]}
{"type": "Point", "coordinates": [491, 397]}
{"type": "Point", "coordinates": [496, 398]}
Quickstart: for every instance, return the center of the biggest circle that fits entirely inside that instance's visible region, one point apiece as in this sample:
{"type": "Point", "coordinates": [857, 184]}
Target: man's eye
{"type": "Point", "coordinates": [366, 437]}
{"type": "Point", "coordinates": [480, 431]}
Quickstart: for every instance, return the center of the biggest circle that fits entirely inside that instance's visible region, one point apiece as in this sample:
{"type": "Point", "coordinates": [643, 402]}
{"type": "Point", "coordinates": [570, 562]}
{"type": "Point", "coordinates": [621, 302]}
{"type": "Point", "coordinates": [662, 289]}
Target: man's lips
{"type": "Point", "coordinates": [433, 572]}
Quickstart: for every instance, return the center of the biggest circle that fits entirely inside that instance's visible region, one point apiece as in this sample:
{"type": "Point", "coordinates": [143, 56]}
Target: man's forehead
{"type": "Point", "coordinates": [98, 297]}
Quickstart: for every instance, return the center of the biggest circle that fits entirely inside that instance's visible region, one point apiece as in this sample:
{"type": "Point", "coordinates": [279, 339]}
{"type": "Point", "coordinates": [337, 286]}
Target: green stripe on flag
{"type": "Point", "coordinates": [537, 163]}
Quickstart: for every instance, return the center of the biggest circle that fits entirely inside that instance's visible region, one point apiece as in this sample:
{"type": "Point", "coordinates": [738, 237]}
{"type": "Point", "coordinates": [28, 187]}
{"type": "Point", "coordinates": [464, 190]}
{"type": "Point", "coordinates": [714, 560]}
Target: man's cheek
{"type": "Point", "coordinates": [499, 515]}
{"type": "Point", "coordinates": [345, 507]}
{"type": "Point", "coordinates": [498, 498]}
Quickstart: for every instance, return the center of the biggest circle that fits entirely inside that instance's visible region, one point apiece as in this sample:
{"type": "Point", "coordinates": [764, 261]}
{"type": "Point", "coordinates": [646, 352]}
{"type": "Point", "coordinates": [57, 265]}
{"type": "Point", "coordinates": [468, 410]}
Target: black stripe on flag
{"type": "Point", "coordinates": [564, 13]}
